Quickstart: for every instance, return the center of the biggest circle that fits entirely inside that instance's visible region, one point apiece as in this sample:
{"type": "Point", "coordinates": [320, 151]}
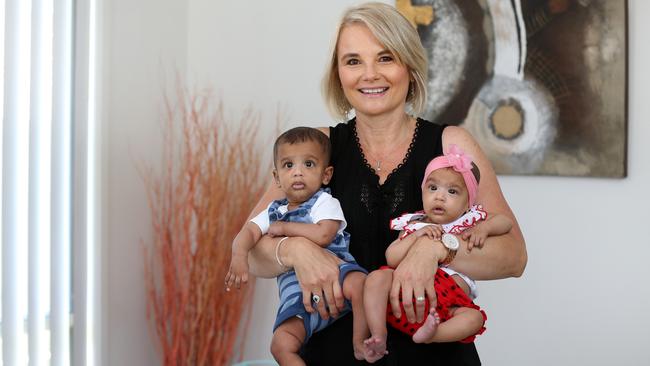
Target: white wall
{"type": "Point", "coordinates": [583, 298]}
{"type": "Point", "coordinates": [140, 37]}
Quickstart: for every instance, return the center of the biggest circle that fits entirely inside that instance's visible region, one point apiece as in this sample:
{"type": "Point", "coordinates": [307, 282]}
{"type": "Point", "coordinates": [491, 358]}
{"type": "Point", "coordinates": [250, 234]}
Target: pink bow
{"type": "Point", "coordinates": [458, 160]}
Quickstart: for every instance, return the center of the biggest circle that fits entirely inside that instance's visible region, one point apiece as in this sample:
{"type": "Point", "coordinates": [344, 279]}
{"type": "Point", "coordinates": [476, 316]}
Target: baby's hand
{"type": "Point", "coordinates": [276, 229]}
{"type": "Point", "coordinates": [238, 271]}
{"type": "Point", "coordinates": [475, 237]}
{"type": "Point", "coordinates": [432, 231]}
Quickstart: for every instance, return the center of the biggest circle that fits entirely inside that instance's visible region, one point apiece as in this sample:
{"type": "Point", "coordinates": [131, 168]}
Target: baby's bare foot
{"type": "Point", "coordinates": [428, 329]}
{"type": "Point", "coordinates": [360, 350]}
{"type": "Point", "coordinates": [375, 348]}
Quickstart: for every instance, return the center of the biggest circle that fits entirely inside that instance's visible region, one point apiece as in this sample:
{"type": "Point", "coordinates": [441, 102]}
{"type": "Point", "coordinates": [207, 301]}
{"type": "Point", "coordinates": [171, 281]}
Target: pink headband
{"type": "Point", "coordinates": [456, 159]}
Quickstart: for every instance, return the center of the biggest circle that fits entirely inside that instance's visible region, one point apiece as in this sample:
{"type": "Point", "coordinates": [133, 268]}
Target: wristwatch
{"type": "Point", "coordinates": [452, 244]}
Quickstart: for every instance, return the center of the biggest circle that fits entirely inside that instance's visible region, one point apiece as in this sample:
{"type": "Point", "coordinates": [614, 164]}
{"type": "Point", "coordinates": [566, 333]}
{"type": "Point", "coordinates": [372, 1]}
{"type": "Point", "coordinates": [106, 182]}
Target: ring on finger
{"type": "Point", "coordinates": [315, 298]}
{"type": "Point", "coordinates": [419, 299]}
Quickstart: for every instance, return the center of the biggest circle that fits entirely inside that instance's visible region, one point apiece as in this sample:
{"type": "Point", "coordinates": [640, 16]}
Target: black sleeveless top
{"type": "Point", "coordinates": [368, 208]}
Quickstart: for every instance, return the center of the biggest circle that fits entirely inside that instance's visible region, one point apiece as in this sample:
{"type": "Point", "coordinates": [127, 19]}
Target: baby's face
{"type": "Point", "coordinates": [300, 170]}
{"type": "Point", "coordinates": [444, 196]}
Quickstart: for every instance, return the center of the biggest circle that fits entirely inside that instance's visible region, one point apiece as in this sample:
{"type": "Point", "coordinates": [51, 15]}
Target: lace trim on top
{"type": "Point", "coordinates": [406, 157]}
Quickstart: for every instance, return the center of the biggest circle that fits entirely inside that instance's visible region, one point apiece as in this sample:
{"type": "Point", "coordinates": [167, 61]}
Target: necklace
{"type": "Point", "coordinates": [386, 156]}
{"type": "Point", "coordinates": [377, 166]}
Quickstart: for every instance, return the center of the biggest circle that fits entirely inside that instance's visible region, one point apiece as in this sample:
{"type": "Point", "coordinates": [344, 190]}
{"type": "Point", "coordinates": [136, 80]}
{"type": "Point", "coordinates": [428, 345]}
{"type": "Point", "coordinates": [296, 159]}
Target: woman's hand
{"type": "Point", "coordinates": [318, 274]}
{"type": "Point", "coordinates": [414, 278]}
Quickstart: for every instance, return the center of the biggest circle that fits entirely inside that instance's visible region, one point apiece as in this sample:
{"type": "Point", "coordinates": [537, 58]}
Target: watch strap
{"type": "Point", "coordinates": [451, 254]}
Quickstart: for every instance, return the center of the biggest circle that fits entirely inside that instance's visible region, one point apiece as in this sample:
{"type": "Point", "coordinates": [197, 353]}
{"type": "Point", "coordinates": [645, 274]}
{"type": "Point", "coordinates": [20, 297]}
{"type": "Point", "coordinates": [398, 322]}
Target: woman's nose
{"type": "Point", "coordinates": [370, 72]}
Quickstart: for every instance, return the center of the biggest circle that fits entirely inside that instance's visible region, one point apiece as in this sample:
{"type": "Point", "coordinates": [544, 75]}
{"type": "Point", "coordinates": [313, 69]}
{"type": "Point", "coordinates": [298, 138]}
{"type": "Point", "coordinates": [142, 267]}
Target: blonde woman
{"type": "Point", "coordinates": [378, 73]}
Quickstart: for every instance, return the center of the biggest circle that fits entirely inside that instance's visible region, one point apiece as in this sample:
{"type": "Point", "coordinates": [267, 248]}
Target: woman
{"type": "Point", "coordinates": [378, 70]}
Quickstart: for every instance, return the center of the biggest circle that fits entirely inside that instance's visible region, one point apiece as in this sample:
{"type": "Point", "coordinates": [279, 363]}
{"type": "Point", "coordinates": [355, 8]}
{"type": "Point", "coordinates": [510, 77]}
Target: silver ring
{"type": "Point", "coordinates": [315, 299]}
{"type": "Point", "coordinates": [419, 299]}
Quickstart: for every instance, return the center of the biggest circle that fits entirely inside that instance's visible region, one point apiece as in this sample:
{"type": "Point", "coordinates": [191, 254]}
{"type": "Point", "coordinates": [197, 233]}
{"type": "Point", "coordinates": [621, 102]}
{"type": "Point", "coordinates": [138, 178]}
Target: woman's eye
{"type": "Point", "coordinates": [385, 58]}
{"type": "Point", "coordinates": [352, 61]}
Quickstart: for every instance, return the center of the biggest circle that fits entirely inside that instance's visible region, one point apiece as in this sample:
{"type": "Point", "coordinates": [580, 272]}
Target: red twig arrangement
{"type": "Point", "coordinates": [210, 182]}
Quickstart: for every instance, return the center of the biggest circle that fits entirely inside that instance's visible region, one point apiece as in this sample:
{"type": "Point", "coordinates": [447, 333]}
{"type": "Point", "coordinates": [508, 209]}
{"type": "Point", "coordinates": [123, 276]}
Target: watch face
{"type": "Point", "coordinates": [450, 241]}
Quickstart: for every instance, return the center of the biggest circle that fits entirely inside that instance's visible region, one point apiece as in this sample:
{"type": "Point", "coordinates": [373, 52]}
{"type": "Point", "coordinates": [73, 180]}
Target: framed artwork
{"type": "Point", "coordinates": [541, 84]}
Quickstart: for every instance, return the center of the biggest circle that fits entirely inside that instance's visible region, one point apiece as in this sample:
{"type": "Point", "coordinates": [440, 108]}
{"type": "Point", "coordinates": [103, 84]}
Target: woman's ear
{"type": "Point", "coordinates": [327, 174]}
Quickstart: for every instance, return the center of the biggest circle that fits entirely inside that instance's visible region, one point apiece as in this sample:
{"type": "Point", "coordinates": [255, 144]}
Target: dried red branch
{"type": "Point", "coordinates": [212, 177]}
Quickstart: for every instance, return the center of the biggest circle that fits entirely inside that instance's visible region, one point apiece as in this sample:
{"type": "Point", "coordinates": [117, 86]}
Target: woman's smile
{"type": "Point", "coordinates": [374, 92]}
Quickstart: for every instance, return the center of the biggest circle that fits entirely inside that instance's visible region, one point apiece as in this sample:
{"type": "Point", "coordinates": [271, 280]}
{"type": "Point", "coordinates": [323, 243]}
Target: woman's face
{"type": "Point", "coordinates": [373, 81]}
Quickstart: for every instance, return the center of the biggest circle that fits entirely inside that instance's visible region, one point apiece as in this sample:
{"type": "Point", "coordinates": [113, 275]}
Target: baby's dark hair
{"type": "Point", "coordinates": [476, 172]}
{"type": "Point", "coordinates": [303, 134]}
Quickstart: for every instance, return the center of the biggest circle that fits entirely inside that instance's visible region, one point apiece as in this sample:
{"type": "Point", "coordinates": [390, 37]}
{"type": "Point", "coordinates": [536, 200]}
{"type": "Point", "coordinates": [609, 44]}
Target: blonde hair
{"type": "Point", "coordinates": [399, 37]}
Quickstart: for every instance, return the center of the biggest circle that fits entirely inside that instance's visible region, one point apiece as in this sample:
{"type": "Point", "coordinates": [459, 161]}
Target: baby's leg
{"type": "Point", "coordinates": [353, 291]}
{"type": "Point", "coordinates": [286, 342]}
{"type": "Point", "coordinates": [375, 297]}
{"type": "Point", "coordinates": [464, 322]}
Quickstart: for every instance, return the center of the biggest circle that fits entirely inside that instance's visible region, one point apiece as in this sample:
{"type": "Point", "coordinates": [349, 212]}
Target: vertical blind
{"type": "Point", "coordinates": [47, 182]}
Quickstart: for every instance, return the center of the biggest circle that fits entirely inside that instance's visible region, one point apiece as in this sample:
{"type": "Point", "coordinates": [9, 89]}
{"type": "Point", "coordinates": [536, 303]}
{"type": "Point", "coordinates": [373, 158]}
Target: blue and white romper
{"type": "Point", "coordinates": [290, 293]}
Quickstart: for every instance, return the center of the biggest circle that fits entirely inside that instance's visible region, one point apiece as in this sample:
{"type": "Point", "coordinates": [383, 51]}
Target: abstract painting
{"type": "Point", "coordinates": [541, 84]}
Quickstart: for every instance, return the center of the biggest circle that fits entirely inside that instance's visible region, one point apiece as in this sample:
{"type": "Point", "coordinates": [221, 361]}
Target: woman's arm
{"type": "Point", "coordinates": [504, 255]}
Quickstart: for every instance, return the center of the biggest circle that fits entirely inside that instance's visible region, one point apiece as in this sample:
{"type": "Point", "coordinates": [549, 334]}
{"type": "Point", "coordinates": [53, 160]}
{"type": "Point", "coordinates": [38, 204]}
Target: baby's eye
{"type": "Point", "coordinates": [288, 165]}
{"type": "Point", "coordinates": [309, 164]}
{"type": "Point", "coordinates": [432, 187]}
{"type": "Point", "coordinates": [452, 191]}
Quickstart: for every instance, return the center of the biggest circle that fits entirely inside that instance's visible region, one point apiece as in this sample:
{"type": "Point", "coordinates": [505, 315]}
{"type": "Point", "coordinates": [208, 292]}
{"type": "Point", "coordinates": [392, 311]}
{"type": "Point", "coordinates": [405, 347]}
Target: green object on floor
{"type": "Point", "coordinates": [257, 363]}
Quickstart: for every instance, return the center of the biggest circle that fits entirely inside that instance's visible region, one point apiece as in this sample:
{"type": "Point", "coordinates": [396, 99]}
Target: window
{"type": "Point", "coordinates": [47, 154]}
